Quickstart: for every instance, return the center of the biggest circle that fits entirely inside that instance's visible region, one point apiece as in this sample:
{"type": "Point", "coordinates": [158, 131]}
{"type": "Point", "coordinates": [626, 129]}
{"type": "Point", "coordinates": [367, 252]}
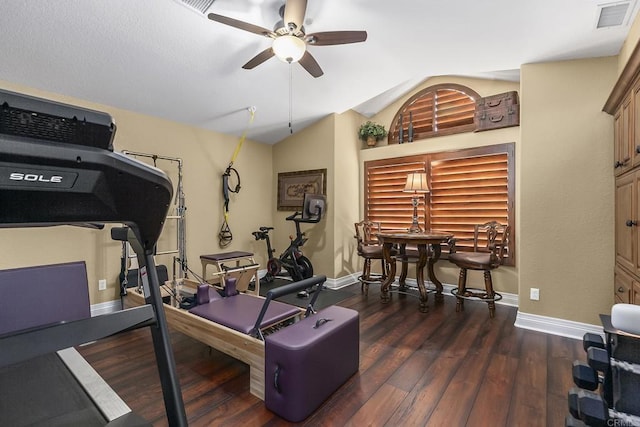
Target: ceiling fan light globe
{"type": "Point", "coordinates": [289, 48]}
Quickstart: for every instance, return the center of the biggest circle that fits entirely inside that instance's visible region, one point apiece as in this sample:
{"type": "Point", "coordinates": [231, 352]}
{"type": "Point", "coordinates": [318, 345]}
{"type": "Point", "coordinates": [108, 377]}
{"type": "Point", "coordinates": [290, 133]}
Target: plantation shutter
{"type": "Point", "coordinates": [437, 110]}
{"type": "Point", "coordinates": [453, 109]}
{"type": "Point", "coordinates": [471, 189]}
{"type": "Point", "coordinates": [385, 200]}
{"type": "Point", "coordinates": [468, 187]}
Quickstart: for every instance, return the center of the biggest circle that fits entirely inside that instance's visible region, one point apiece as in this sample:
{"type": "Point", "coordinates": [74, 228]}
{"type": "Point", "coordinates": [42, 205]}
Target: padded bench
{"type": "Point", "coordinates": [239, 312]}
{"type": "Point", "coordinates": [250, 267]}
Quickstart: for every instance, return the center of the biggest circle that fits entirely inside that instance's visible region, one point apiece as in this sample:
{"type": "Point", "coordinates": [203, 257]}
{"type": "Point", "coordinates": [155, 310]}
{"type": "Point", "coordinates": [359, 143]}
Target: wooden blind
{"type": "Point", "coordinates": [453, 108]}
{"type": "Point", "coordinates": [437, 110]}
{"type": "Point", "coordinates": [385, 200]}
{"type": "Point", "coordinates": [468, 187]}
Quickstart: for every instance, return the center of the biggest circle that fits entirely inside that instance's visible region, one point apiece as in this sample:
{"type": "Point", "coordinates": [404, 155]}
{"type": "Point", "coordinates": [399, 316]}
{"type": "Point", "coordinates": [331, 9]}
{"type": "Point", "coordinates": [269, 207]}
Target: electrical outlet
{"type": "Point", "coordinates": [102, 285]}
{"type": "Point", "coordinates": [535, 294]}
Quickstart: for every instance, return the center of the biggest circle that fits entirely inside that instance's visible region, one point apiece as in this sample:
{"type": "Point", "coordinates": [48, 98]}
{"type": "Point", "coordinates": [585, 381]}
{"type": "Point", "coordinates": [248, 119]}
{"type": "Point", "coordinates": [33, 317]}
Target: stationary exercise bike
{"type": "Point", "coordinates": [291, 259]}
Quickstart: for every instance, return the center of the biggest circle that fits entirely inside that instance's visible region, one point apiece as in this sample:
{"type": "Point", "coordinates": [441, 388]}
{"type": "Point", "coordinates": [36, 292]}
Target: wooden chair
{"type": "Point", "coordinates": [490, 242]}
{"type": "Point", "coordinates": [370, 249]}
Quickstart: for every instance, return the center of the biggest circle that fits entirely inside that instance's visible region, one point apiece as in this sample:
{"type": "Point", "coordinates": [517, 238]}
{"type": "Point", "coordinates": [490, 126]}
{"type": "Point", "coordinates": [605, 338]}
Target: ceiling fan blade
{"type": "Point", "coordinates": [310, 64]}
{"type": "Point", "coordinates": [328, 38]}
{"type": "Point", "coordinates": [294, 11]}
{"type": "Point", "coordinates": [241, 25]}
{"type": "Point", "coordinates": [259, 59]}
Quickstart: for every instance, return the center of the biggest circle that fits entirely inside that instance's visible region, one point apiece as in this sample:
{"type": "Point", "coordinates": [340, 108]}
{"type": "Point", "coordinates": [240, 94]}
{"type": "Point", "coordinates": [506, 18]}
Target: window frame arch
{"type": "Point", "coordinates": [431, 91]}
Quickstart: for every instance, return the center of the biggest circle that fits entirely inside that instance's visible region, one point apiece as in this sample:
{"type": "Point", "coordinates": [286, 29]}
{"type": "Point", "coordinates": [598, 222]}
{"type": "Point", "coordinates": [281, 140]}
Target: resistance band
{"type": "Point", "coordinates": [225, 236]}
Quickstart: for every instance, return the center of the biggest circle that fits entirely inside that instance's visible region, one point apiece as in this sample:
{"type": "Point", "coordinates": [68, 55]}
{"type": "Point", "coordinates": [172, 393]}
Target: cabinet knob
{"type": "Point", "coordinates": [621, 289]}
{"type": "Point", "coordinates": [637, 149]}
{"type": "Point", "coordinates": [618, 164]}
{"type": "Point", "coordinates": [630, 223]}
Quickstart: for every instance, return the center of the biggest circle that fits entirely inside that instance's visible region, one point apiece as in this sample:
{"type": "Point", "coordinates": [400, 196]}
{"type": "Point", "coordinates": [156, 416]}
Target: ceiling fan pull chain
{"type": "Point", "coordinates": [290, 98]}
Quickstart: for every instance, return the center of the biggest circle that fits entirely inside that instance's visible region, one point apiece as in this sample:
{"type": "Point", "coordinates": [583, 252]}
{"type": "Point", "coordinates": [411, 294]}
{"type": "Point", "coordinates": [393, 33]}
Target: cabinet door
{"type": "Point", "coordinates": [633, 223]}
{"type": "Point", "coordinates": [625, 230]}
{"type": "Point", "coordinates": [635, 125]}
{"type": "Point", "coordinates": [622, 286]}
{"type": "Point", "coordinates": [623, 137]}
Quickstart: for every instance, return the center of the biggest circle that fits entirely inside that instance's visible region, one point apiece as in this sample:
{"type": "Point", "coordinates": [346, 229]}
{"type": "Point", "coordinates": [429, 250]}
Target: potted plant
{"type": "Point", "coordinates": [371, 132]}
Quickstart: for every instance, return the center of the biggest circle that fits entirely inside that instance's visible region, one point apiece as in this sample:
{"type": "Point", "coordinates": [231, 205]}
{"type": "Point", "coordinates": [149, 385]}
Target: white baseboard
{"type": "Point", "coordinates": [555, 326]}
{"type": "Point", "coordinates": [507, 299]}
{"type": "Point", "coordinates": [105, 307]}
{"type": "Point", "coordinates": [330, 283]}
{"type": "Point", "coordinates": [342, 281]}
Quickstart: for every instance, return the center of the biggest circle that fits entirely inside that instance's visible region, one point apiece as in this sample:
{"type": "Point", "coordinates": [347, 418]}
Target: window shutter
{"type": "Point", "coordinates": [453, 109]}
{"type": "Point", "coordinates": [385, 200]}
{"type": "Point", "coordinates": [466, 191]}
{"type": "Point", "coordinates": [437, 110]}
{"type": "Point", "coordinates": [468, 187]}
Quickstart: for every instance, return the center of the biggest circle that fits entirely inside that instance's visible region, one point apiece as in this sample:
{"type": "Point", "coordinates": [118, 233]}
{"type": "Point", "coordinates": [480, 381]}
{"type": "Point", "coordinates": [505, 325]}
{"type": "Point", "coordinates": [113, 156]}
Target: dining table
{"type": "Point", "coordinates": [428, 244]}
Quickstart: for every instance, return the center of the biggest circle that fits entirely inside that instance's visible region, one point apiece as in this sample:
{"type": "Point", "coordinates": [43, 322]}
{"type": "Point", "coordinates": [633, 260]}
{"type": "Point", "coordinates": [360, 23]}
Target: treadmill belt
{"type": "Point", "coordinates": [43, 392]}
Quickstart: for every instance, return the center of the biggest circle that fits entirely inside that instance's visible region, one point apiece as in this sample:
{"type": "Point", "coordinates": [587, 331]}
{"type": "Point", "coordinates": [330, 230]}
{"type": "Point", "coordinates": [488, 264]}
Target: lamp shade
{"type": "Point", "coordinates": [289, 48]}
{"type": "Point", "coordinates": [416, 183]}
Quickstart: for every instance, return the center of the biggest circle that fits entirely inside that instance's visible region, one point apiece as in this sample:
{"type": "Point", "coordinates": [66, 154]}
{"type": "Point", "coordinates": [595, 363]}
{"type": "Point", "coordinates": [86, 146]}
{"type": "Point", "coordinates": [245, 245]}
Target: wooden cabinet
{"type": "Point", "coordinates": [627, 196]}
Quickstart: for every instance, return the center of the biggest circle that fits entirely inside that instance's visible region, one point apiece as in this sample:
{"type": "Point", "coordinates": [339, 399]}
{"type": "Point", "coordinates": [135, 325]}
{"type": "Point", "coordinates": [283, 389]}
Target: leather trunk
{"type": "Point", "coordinates": [500, 100]}
{"type": "Point", "coordinates": [497, 118]}
{"type": "Point", "coordinates": [497, 111]}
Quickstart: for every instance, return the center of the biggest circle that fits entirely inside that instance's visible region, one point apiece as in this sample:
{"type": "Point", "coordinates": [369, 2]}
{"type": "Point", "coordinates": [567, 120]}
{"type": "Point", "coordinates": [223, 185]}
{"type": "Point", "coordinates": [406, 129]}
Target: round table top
{"type": "Point", "coordinates": [427, 237]}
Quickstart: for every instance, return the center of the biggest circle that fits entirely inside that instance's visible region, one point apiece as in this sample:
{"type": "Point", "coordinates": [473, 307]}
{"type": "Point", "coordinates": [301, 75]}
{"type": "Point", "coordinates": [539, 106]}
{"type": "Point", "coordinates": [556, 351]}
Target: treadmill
{"type": "Point", "coordinates": [57, 167]}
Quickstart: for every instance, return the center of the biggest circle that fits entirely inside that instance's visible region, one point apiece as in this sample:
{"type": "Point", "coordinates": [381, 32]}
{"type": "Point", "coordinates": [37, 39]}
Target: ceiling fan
{"type": "Point", "coordinates": [289, 38]}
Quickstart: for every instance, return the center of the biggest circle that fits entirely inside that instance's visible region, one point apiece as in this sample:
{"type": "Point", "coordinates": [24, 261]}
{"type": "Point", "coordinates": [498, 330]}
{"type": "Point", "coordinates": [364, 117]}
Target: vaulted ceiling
{"type": "Point", "coordinates": [164, 58]}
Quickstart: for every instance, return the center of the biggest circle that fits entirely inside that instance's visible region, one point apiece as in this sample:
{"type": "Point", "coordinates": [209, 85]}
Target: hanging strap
{"type": "Point", "coordinates": [225, 236]}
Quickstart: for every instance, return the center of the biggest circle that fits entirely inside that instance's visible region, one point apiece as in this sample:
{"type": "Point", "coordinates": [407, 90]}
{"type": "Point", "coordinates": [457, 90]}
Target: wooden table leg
{"type": "Point", "coordinates": [432, 275]}
{"type": "Point", "coordinates": [391, 262]}
{"type": "Point", "coordinates": [422, 261]}
{"type": "Point", "coordinates": [405, 268]}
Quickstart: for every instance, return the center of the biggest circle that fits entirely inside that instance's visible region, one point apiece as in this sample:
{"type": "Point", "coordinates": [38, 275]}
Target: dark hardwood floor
{"type": "Point", "coordinates": [438, 369]}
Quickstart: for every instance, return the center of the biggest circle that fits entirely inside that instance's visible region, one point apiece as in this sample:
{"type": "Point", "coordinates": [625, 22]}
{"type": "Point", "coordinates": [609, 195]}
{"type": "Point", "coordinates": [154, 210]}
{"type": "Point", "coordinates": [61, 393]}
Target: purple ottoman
{"type": "Point", "coordinates": [308, 361]}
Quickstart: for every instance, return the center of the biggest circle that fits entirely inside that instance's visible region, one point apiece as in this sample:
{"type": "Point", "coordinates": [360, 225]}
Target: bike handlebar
{"type": "Point", "coordinates": [314, 220]}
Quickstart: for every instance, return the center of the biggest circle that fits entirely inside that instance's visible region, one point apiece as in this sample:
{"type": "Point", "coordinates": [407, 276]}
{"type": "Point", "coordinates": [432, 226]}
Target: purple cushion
{"type": "Point", "coordinates": [241, 311]}
{"type": "Point", "coordinates": [43, 295]}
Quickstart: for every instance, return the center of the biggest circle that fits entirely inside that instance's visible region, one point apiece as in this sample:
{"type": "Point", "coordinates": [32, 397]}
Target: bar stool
{"type": "Point", "coordinates": [490, 242]}
{"type": "Point", "coordinates": [370, 249]}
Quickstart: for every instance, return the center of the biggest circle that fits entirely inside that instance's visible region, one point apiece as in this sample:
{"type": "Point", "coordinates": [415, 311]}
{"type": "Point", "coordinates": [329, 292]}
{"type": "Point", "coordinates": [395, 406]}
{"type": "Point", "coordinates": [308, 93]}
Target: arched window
{"type": "Point", "coordinates": [442, 109]}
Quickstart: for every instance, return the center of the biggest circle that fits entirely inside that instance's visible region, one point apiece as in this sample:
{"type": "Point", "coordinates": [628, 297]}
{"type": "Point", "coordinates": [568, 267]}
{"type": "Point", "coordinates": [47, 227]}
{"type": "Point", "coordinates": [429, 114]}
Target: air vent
{"type": "Point", "coordinates": [614, 14]}
{"type": "Point", "coordinates": [200, 5]}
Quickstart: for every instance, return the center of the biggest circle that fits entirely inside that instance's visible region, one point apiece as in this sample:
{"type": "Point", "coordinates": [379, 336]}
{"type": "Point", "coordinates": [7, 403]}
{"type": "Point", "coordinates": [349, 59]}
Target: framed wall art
{"type": "Point", "coordinates": [293, 185]}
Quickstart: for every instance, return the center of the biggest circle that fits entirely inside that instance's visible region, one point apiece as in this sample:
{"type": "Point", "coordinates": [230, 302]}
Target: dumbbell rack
{"type": "Point", "coordinates": [607, 388]}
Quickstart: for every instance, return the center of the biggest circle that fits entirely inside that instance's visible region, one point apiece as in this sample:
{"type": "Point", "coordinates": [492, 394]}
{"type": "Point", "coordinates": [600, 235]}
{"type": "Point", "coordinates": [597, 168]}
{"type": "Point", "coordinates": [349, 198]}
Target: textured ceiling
{"type": "Point", "coordinates": [162, 58]}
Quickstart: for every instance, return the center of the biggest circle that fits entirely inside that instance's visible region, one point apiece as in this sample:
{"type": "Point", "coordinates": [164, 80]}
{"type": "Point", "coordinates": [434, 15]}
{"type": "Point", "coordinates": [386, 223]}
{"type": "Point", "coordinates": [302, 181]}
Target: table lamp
{"type": "Point", "coordinates": [416, 183]}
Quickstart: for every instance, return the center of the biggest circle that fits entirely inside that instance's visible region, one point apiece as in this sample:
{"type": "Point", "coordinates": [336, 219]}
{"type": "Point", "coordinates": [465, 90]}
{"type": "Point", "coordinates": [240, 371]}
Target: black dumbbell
{"type": "Point", "coordinates": [598, 359]}
{"type": "Point", "coordinates": [588, 407]}
{"type": "Point", "coordinates": [592, 340]}
{"type": "Point", "coordinates": [584, 376]}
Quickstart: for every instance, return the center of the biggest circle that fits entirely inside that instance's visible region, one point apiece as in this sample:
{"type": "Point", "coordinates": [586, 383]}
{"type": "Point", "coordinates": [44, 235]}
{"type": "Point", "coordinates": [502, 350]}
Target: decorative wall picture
{"type": "Point", "coordinates": [293, 185]}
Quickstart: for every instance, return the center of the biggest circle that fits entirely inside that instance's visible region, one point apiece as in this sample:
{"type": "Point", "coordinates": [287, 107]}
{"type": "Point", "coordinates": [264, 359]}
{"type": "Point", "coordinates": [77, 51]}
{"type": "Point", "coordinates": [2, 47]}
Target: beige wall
{"type": "Point", "coordinates": [311, 148]}
{"type": "Point", "coordinates": [505, 279]}
{"type": "Point", "coordinates": [205, 154]}
{"type": "Point", "coordinates": [566, 205]}
{"type": "Point", "coordinates": [347, 194]}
